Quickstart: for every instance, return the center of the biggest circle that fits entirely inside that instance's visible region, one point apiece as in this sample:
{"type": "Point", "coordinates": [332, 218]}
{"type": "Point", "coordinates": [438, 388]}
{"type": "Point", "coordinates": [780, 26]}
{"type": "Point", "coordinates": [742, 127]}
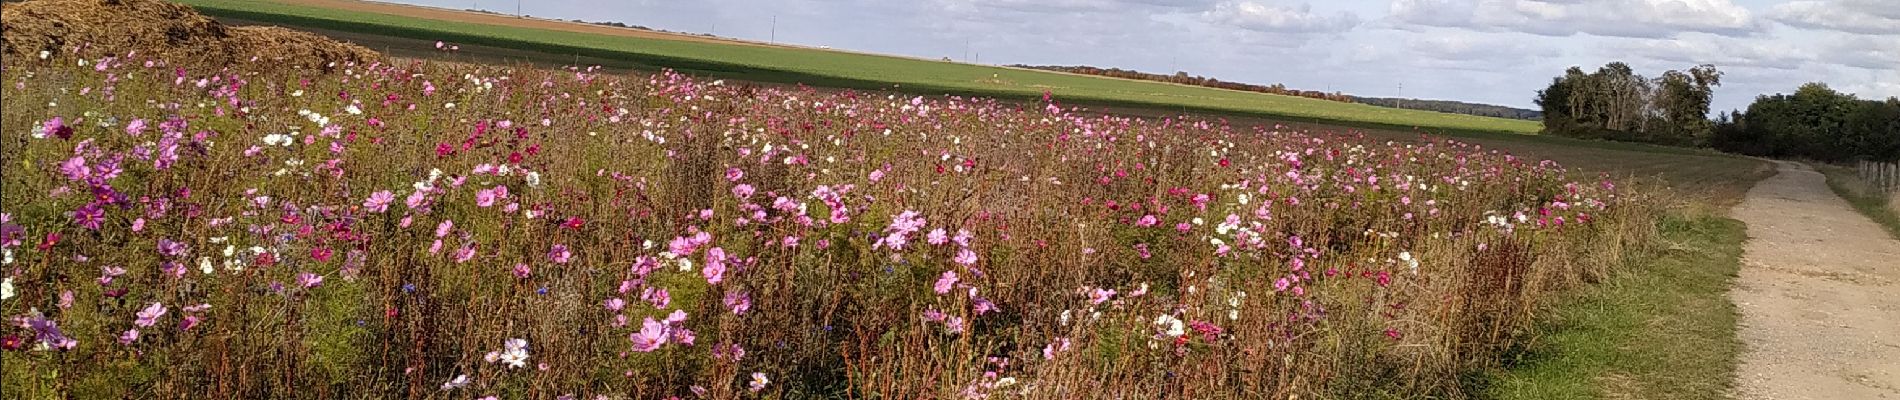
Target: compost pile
{"type": "Point", "coordinates": [163, 30]}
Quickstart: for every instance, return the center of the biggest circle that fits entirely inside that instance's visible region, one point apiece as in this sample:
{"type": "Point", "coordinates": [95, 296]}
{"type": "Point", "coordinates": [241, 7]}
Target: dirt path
{"type": "Point", "coordinates": [1819, 294]}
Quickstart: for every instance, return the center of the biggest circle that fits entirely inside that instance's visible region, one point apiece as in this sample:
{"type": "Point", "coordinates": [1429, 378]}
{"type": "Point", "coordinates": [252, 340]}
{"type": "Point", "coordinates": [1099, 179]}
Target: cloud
{"type": "Point", "coordinates": [1261, 17]}
{"type": "Point", "coordinates": [1866, 52]}
{"type": "Point", "coordinates": [1492, 48]}
{"type": "Point", "coordinates": [1617, 18]}
{"type": "Point", "coordinates": [1874, 17]}
{"type": "Point", "coordinates": [1723, 52]}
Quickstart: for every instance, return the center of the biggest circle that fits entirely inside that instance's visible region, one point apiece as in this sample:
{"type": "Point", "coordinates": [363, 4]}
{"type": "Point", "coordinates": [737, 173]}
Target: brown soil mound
{"type": "Point", "coordinates": [162, 30]}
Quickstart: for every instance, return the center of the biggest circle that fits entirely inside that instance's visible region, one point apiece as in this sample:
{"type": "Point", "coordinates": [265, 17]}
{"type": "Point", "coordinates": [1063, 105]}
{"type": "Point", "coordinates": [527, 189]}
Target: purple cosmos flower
{"type": "Point", "coordinates": [89, 216]}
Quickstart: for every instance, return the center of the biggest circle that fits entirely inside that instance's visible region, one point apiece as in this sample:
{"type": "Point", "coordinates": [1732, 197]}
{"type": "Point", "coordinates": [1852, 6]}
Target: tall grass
{"type": "Point", "coordinates": [437, 231]}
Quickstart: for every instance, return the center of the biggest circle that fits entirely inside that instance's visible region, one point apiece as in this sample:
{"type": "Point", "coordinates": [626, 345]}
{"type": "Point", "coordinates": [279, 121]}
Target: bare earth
{"type": "Point", "coordinates": [1818, 295]}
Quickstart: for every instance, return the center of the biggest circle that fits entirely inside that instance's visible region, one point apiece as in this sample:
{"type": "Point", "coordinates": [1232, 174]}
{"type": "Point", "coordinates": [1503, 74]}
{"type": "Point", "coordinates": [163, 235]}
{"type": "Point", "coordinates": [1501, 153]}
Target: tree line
{"type": "Point", "coordinates": [1454, 107]}
{"type": "Point", "coordinates": [1616, 103]}
{"type": "Point", "coordinates": [1816, 122]}
{"type": "Point", "coordinates": [1183, 78]}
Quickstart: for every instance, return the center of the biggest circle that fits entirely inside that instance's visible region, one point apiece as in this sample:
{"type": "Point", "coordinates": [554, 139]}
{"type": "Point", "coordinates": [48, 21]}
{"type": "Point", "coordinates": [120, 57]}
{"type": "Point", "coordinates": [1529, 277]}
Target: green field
{"type": "Point", "coordinates": [859, 71]}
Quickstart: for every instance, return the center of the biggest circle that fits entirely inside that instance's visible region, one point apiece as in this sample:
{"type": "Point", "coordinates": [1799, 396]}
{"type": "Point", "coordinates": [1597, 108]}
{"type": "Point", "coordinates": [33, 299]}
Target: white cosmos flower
{"type": "Point", "coordinates": [1171, 326]}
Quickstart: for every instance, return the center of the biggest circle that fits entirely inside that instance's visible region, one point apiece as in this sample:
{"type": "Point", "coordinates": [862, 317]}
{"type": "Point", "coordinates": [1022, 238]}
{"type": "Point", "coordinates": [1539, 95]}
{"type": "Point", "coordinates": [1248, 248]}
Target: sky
{"type": "Point", "coordinates": [1486, 51]}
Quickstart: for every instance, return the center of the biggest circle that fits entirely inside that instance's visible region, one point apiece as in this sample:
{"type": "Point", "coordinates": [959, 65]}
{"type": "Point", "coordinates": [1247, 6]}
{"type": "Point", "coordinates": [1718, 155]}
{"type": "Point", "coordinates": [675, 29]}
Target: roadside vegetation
{"type": "Point", "coordinates": [1662, 329]}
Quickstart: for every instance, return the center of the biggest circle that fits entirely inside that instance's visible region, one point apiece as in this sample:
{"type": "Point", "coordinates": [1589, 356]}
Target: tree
{"type": "Point", "coordinates": [1815, 122]}
{"type": "Point", "coordinates": [1617, 103]}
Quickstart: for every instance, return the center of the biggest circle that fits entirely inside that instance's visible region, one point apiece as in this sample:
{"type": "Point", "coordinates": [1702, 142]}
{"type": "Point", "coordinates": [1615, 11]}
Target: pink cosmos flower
{"type": "Point", "coordinates": [937, 237]}
{"type": "Point", "coordinates": [559, 254]}
{"type": "Point", "coordinates": [715, 270]}
{"type": "Point", "coordinates": [965, 257]}
{"type": "Point", "coordinates": [650, 337]}
{"type": "Point", "coordinates": [946, 282]}
{"type": "Point", "coordinates": [416, 199]}
{"type": "Point", "coordinates": [614, 304]}
{"type": "Point", "coordinates": [464, 254]}
{"type": "Point", "coordinates": [136, 127]}
{"type": "Point", "coordinates": [738, 302]}
{"type": "Point", "coordinates": [309, 280]}
{"type": "Point", "coordinates": [522, 271]}
{"type": "Point", "coordinates": [658, 296]}
{"type": "Point", "coordinates": [150, 315]}
{"type": "Point", "coordinates": [1099, 295]}
{"type": "Point", "coordinates": [442, 229]}
{"type": "Point", "coordinates": [1055, 347]}
{"type": "Point", "coordinates": [485, 198]}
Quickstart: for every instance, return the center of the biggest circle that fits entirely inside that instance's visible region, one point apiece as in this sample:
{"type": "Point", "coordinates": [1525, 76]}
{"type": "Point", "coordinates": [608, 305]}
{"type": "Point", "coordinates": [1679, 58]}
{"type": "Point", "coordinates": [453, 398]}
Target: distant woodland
{"type": "Point", "coordinates": [1446, 106]}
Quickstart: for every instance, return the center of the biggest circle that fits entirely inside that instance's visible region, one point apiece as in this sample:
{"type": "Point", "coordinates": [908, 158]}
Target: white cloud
{"type": "Point", "coordinates": [1858, 16]}
{"type": "Point", "coordinates": [1488, 48]}
{"type": "Point", "coordinates": [1617, 18]}
{"type": "Point", "coordinates": [1261, 17]}
{"type": "Point", "coordinates": [1723, 52]}
{"type": "Point", "coordinates": [1866, 52]}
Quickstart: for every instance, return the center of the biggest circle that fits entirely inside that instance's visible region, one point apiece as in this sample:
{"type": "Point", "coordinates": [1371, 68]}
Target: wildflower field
{"type": "Point", "coordinates": [428, 230]}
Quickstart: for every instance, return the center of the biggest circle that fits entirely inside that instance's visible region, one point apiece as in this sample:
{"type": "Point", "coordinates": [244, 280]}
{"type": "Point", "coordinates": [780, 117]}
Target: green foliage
{"type": "Point", "coordinates": [1815, 122]}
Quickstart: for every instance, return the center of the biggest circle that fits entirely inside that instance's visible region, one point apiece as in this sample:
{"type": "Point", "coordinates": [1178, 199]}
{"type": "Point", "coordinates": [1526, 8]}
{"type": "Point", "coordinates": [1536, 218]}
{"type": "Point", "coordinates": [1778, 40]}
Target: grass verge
{"type": "Point", "coordinates": [1663, 329]}
{"type": "Point", "coordinates": [1857, 192]}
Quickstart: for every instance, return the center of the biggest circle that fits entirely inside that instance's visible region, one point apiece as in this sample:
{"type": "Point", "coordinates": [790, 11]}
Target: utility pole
{"type": "Point", "coordinates": [518, 9]}
{"type": "Point", "coordinates": [774, 28]}
{"type": "Point", "coordinates": [1400, 98]}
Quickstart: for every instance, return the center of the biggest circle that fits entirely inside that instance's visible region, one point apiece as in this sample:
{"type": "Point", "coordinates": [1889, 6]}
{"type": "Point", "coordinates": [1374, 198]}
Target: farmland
{"type": "Point", "coordinates": [835, 69]}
